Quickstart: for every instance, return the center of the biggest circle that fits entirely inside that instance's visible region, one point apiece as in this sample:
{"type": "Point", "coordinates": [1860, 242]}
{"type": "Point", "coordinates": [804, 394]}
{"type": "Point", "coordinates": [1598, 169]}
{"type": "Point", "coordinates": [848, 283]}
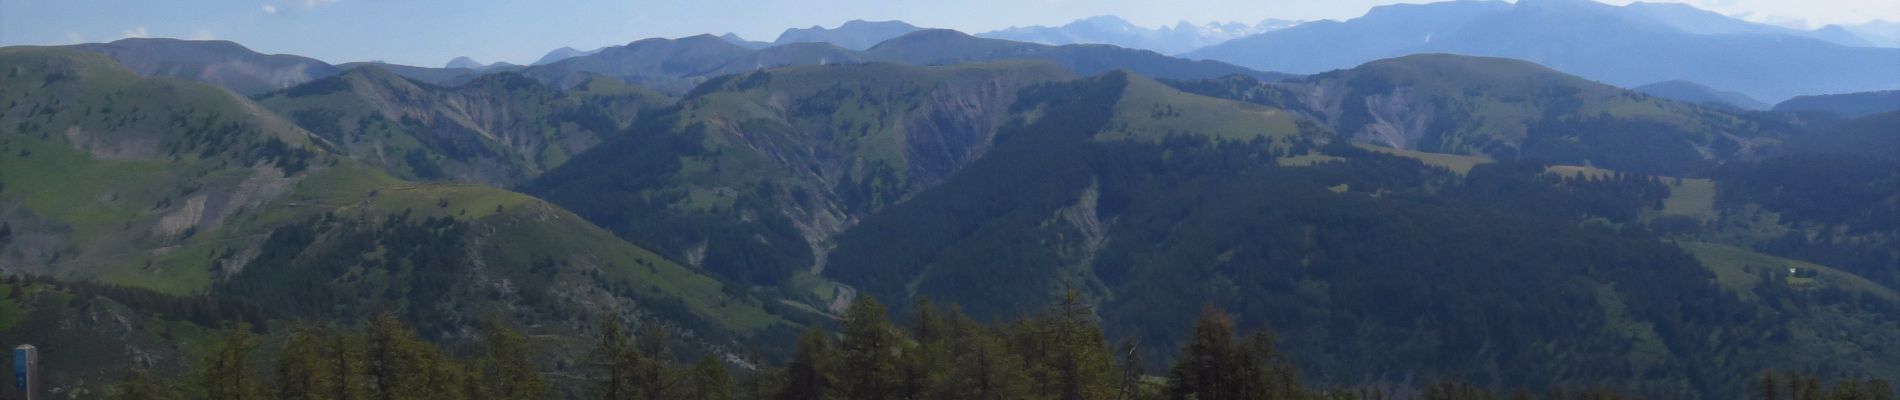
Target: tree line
{"type": "Point", "coordinates": [1057, 354]}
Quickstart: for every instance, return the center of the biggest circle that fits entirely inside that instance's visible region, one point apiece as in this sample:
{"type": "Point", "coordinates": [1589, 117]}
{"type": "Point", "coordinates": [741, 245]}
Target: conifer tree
{"type": "Point", "coordinates": [869, 346]}
{"type": "Point", "coordinates": [402, 367]}
{"type": "Point", "coordinates": [507, 366]}
{"type": "Point", "coordinates": [1209, 367]}
{"type": "Point", "coordinates": [709, 381]}
{"type": "Point", "coordinates": [1067, 354]}
{"type": "Point", "coordinates": [615, 357]}
{"type": "Point", "coordinates": [1765, 387]}
{"type": "Point", "coordinates": [302, 368]}
{"type": "Point", "coordinates": [983, 367]}
{"type": "Point", "coordinates": [228, 373]}
{"type": "Point", "coordinates": [809, 375]}
{"type": "Point", "coordinates": [925, 362]}
{"type": "Point", "coordinates": [344, 360]}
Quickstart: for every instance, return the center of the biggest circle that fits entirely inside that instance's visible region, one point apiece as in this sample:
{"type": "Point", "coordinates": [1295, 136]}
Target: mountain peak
{"type": "Point", "coordinates": [854, 34]}
{"type": "Point", "coordinates": [563, 53]}
{"type": "Point", "coordinates": [465, 63]}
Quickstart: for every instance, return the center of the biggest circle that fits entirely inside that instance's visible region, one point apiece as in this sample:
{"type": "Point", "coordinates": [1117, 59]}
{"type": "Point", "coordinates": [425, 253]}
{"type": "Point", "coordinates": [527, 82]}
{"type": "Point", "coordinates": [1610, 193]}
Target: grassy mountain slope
{"type": "Point", "coordinates": [752, 173]}
{"type": "Point", "coordinates": [938, 46]}
{"type": "Point", "coordinates": [854, 34]}
{"type": "Point", "coordinates": [938, 244]}
{"type": "Point", "coordinates": [219, 63]}
{"type": "Point", "coordinates": [1372, 268]}
{"type": "Point", "coordinates": [1511, 109]}
{"type": "Point", "coordinates": [187, 189]}
{"type": "Point", "coordinates": [105, 170]}
{"type": "Point", "coordinates": [1696, 93]}
{"type": "Point", "coordinates": [677, 65]}
{"type": "Point", "coordinates": [671, 65]}
{"type": "Point", "coordinates": [498, 129]}
{"type": "Point", "coordinates": [435, 76]}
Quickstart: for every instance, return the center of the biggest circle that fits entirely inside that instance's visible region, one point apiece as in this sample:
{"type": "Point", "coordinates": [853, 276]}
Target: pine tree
{"type": "Point", "coordinates": [654, 378]}
{"type": "Point", "coordinates": [982, 365]}
{"type": "Point", "coordinates": [1066, 352]}
{"type": "Point", "coordinates": [1209, 367]}
{"type": "Point", "coordinates": [227, 373]}
{"type": "Point", "coordinates": [401, 366]}
{"type": "Point", "coordinates": [507, 368]}
{"type": "Point", "coordinates": [1765, 387]}
{"type": "Point", "coordinates": [759, 381]}
{"type": "Point", "coordinates": [868, 349]}
{"type": "Point", "coordinates": [1267, 374]}
{"type": "Point", "coordinates": [709, 381]}
{"type": "Point", "coordinates": [614, 357]}
{"type": "Point", "coordinates": [344, 361]}
{"type": "Point", "coordinates": [924, 364]}
{"type": "Point", "coordinates": [302, 369]}
{"type": "Point", "coordinates": [809, 375]}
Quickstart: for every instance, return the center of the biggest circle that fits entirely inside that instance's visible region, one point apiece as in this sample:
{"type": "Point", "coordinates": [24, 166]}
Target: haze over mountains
{"type": "Point", "coordinates": [1403, 211]}
{"type": "Point", "coordinates": [1586, 38]}
{"type": "Point", "coordinates": [1108, 29]}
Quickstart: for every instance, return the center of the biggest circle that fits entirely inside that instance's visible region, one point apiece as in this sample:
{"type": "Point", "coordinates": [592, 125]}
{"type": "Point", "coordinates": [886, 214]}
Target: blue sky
{"type": "Point", "coordinates": [430, 32]}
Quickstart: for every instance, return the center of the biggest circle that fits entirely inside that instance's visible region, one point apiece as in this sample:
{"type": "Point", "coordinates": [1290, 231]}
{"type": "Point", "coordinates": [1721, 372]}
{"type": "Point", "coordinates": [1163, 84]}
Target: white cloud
{"type": "Point", "coordinates": [270, 9]}
{"type": "Point", "coordinates": [74, 38]}
{"type": "Point", "coordinates": [315, 3]}
{"type": "Point", "coordinates": [138, 32]}
{"type": "Point", "coordinates": [204, 34]}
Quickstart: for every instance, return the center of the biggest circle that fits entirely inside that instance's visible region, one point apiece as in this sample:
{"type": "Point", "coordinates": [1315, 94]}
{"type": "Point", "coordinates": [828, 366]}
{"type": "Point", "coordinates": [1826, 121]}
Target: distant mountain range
{"type": "Point", "coordinates": [469, 63]}
{"type": "Point", "coordinates": [1699, 21]}
{"type": "Point", "coordinates": [669, 65]}
{"type": "Point", "coordinates": [677, 65]}
{"type": "Point", "coordinates": [855, 34]}
{"type": "Point", "coordinates": [1625, 46]}
{"type": "Point", "coordinates": [1589, 39]}
{"type": "Point", "coordinates": [1880, 32]}
{"type": "Point", "coordinates": [1109, 29]}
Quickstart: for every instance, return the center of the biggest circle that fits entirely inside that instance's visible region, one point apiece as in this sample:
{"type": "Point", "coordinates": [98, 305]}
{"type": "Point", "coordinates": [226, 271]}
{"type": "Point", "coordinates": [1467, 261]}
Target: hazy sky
{"type": "Point", "coordinates": [430, 32]}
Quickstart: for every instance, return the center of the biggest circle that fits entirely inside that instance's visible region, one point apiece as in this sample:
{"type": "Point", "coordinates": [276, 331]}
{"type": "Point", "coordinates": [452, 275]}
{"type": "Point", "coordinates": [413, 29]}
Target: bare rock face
{"type": "Point", "coordinates": [1399, 119]}
{"type": "Point", "coordinates": [854, 148]}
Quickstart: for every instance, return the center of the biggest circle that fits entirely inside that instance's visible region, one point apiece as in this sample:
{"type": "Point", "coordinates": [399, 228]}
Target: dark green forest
{"type": "Point", "coordinates": [1057, 353]}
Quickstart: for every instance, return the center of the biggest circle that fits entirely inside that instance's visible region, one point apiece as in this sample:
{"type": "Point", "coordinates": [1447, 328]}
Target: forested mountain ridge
{"type": "Point", "coordinates": [854, 34]}
{"type": "Point", "coordinates": [1511, 109]}
{"type": "Point", "coordinates": [751, 174]}
{"type": "Point", "coordinates": [1851, 105]}
{"type": "Point", "coordinates": [186, 189]}
{"type": "Point", "coordinates": [1341, 250]}
{"type": "Point", "coordinates": [499, 129]}
{"type": "Point", "coordinates": [678, 65]}
{"type": "Point", "coordinates": [1696, 93]}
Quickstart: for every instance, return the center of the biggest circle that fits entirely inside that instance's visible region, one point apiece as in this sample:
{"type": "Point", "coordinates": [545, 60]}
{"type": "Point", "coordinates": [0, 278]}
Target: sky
{"type": "Point", "coordinates": [430, 32]}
